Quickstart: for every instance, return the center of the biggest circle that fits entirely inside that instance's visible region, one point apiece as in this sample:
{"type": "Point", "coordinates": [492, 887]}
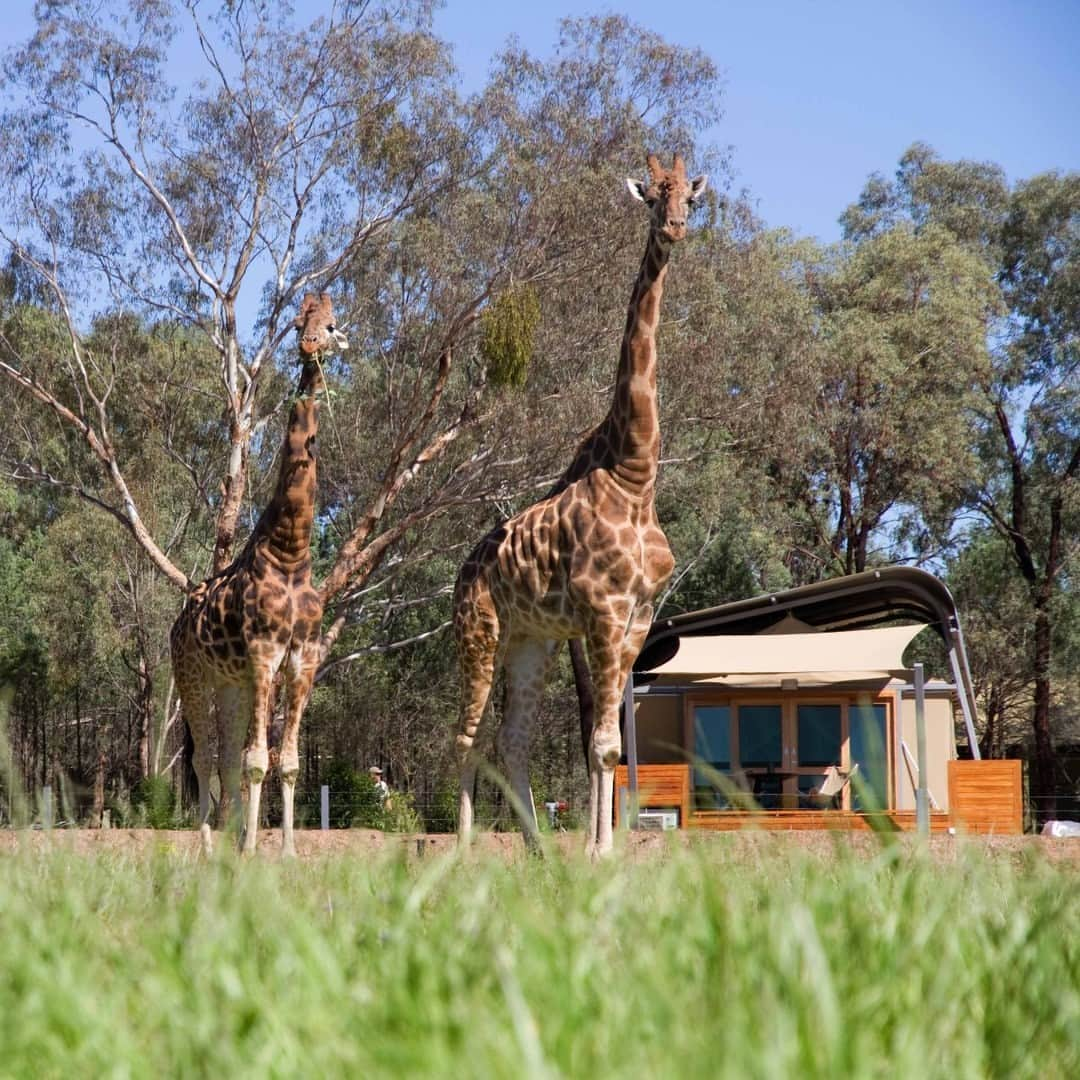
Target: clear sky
{"type": "Point", "coordinates": [820, 93]}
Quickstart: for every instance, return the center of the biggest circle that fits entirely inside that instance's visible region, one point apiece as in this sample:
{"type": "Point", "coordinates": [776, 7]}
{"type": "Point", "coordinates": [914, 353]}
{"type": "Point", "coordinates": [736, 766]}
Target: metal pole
{"type": "Point", "coordinates": [964, 691]}
{"type": "Point", "coordinates": [922, 802]}
{"type": "Point", "coordinates": [46, 807]}
{"type": "Point", "coordinates": [630, 734]}
{"type": "Point", "coordinates": [324, 806]}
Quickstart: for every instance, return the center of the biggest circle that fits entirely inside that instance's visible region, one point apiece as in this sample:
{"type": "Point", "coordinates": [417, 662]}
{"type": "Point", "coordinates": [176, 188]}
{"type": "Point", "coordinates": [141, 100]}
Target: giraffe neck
{"type": "Point", "coordinates": [634, 418]}
{"type": "Point", "coordinates": [284, 530]}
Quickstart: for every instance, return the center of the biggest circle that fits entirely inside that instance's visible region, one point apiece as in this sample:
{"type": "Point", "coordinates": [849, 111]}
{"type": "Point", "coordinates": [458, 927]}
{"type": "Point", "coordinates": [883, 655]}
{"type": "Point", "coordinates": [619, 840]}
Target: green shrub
{"type": "Point", "coordinates": [399, 814]}
{"type": "Point", "coordinates": [354, 801]}
{"type": "Point", "coordinates": [154, 804]}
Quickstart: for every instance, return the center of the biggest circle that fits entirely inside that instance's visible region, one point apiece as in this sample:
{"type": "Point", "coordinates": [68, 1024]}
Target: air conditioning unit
{"type": "Point", "coordinates": [658, 819]}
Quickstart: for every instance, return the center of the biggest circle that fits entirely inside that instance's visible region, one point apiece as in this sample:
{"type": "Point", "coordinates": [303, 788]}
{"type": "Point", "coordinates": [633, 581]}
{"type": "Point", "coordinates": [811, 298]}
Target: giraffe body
{"type": "Point", "coordinates": [258, 616]}
{"type": "Point", "coordinates": [585, 561]}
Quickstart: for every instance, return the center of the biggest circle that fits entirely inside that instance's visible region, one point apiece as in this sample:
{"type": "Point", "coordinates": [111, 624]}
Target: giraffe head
{"type": "Point", "coordinates": [315, 326]}
{"type": "Point", "coordinates": [669, 194]}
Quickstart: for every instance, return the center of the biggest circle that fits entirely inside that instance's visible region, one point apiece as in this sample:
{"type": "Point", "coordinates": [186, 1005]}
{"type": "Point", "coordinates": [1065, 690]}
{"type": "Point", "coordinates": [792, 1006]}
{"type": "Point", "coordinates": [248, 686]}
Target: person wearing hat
{"type": "Point", "coordinates": [381, 785]}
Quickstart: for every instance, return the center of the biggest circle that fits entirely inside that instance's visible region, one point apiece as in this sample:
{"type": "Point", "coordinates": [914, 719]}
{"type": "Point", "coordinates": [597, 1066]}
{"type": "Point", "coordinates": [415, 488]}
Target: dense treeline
{"type": "Point", "coordinates": [909, 394]}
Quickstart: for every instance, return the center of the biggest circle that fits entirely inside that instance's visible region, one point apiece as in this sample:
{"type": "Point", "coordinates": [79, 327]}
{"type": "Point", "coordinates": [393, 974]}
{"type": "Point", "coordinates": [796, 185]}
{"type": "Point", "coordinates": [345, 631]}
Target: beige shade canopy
{"type": "Point", "coordinates": [814, 659]}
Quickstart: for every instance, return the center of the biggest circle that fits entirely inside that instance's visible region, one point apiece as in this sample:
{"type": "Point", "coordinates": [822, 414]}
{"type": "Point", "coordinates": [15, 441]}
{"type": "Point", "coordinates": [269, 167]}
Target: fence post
{"type": "Point", "coordinates": [324, 806]}
{"type": "Point", "coordinates": [47, 806]}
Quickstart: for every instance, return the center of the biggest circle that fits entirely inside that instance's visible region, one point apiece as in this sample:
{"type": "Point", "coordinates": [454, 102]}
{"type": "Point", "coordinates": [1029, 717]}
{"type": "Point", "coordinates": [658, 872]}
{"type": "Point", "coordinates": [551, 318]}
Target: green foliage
{"type": "Point", "coordinates": [441, 812]}
{"type": "Point", "coordinates": [890, 964]}
{"type": "Point", "coordinates": [507, 332]}
{"type": "Point", "coordinates": [354, 800]}
{"type": "Point", "coordinates": [154, 804]}
{"type": "Point", "coordinates": [399, 814]}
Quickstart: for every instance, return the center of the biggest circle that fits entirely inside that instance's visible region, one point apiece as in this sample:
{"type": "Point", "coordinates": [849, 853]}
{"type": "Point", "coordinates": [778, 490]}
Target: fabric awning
{"type": "Point", "coordinates": [814, 659]}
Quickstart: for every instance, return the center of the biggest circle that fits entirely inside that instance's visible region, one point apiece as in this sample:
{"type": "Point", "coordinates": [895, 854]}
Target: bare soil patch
{"type": "Point", "coordinates": [361, 843]}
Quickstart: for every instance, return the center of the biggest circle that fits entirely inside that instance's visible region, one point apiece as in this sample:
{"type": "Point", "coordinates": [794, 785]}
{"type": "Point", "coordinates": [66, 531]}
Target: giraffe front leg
{"type": "Point", "coordinates": [257, 754]}
{"type": "Point", "coordinates": [605, 664]}
{"type": "Point", "coordinates": [300, 675]}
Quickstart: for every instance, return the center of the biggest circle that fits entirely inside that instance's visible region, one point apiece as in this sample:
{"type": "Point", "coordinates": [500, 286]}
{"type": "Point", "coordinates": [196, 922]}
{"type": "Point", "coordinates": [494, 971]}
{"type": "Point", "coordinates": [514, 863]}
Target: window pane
{"type": "Point", "coordinates": [869, 749]}
{"type": "Point", "coordinates": [819, 735]}
{"type": "Point", "coordinates": [712, 748]}
{"type": "Point", "coordinates": [760, 739]}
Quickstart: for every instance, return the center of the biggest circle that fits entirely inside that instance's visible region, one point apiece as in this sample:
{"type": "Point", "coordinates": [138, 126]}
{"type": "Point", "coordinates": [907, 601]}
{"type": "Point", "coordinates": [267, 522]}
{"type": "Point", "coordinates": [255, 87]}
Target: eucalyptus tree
{"type": "Point", "coordinates": [1025, 437]}
{"type": "Point", "coordinates": [1029, 487]}
{"type": "Point", "coordinates": [201, 169]}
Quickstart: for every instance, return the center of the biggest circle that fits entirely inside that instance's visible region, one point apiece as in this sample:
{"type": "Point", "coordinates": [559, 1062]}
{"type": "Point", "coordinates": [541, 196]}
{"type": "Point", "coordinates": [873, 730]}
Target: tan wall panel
{"type": "Point", "coordinates": [659, 729]}
{"type": "Point", "coordinates": [940, 750]}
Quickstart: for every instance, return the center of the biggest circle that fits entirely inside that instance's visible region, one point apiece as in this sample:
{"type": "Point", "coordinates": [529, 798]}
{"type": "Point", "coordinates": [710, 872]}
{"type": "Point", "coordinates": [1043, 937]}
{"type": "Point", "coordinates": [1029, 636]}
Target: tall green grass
{"type": "Point", "coordinates": [724, 960]}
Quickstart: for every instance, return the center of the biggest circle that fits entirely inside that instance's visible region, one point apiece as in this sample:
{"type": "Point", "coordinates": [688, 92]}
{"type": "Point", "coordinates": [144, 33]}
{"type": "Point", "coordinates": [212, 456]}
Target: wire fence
{"type": "Point", "coordinates": [403, 812]}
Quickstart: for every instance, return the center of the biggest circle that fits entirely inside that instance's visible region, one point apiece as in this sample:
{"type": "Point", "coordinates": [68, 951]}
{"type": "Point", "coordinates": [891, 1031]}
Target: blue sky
{"type": "Point", "coordinates": [820, 94]}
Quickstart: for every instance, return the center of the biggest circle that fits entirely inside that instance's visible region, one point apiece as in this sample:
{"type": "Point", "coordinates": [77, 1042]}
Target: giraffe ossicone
{"type": "Point", "coordinates": [259, 615]}
{"type": "Point", "coordinates": [585, 561]}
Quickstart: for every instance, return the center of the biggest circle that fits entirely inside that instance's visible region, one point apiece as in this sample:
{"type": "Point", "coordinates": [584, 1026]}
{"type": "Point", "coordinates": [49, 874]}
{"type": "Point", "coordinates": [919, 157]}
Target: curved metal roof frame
{"type": "Point", "coordinates": [845, 603]}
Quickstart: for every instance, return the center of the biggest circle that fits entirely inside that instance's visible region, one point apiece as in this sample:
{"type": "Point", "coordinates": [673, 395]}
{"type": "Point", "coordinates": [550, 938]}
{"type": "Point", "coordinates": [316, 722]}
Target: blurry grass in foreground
{"type": "Point", "coordinates": [717, 961]}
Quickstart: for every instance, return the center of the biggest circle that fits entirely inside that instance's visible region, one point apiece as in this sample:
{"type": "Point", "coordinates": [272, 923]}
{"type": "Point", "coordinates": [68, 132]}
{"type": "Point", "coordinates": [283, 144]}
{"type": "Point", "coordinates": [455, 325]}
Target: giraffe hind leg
{"type": "Point", "coordinates": [526, 667]}
{"type": "Point", "coordinates": [234, 716]}
{"type": "Point", "coordinates": [196, 701]}
{"type": "Point", "coordinates": [479, 662]}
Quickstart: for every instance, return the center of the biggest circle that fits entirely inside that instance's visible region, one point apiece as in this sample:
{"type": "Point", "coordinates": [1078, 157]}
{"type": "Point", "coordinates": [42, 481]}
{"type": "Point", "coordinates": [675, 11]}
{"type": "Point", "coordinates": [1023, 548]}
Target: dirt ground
{"type": "Point", "coordinates": [315, 844]}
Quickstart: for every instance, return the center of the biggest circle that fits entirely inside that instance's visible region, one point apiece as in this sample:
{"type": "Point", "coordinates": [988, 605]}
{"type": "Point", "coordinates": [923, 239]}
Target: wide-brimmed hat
{"type": "Point", "coordinates": [375, 770]}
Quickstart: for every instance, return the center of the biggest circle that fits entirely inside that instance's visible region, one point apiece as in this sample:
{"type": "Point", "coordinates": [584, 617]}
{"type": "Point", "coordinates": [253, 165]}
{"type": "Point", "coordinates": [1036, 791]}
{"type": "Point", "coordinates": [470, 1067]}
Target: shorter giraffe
{"type": "Point", "coordinates": [260, 614]}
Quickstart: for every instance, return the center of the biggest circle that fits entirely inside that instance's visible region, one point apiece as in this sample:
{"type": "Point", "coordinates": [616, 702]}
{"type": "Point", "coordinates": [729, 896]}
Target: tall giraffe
{"type": "Point", "coordinates": [260, 614]}
{"type": "Point", "coordinates": [585, 561]}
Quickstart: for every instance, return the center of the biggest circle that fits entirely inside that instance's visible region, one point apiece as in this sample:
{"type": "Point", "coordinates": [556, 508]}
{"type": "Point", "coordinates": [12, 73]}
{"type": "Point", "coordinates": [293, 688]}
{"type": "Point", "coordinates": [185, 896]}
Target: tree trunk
{"type": "Point", "coordinates": [1043, 793]}
{"type": "Point", "coordinates": [98, 809]}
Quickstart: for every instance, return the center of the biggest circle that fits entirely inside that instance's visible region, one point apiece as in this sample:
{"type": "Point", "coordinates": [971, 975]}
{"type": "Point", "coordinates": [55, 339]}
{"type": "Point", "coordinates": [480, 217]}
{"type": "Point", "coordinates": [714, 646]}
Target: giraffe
{"type": "Point", "coordinates": [260, 614]}
{"type": "Point", "coordinates": [586, 561]}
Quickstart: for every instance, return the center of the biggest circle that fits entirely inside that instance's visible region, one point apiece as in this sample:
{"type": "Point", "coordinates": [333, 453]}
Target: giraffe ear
{"type": "Point", "coordinates": [698, 186]}
{"type": "Point", "coordinates": [636, 188]}
{"type": "Point", "coordinates": [340, 339]}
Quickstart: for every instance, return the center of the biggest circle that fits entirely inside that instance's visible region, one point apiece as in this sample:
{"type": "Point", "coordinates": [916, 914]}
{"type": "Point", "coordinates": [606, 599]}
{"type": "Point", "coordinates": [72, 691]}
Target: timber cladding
{"type": "Point", "coordinates": [987, 796]}
{"type": "Point", "coordinates": [658, 786]}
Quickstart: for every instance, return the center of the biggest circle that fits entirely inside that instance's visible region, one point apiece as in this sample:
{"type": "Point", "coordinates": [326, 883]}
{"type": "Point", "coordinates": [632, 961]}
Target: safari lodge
{"type": "Point", "coordinates": [795, 710]}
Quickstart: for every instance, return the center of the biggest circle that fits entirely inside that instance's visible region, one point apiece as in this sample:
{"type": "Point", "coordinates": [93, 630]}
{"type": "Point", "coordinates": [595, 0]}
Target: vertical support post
{"type": "Point", "coordinates": [47, 806]}
{"type": "Point", "coordinates": [922, 801]}
{"type": "Point", "coordinates": [324, 806]}
{"type": "Point", "coordinates": [630, 735]}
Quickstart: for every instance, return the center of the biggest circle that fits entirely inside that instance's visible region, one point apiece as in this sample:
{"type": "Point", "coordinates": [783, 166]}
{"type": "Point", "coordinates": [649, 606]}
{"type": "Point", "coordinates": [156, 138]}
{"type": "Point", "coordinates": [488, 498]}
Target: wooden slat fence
{"type": "Point", "coordinates": [987, 796]}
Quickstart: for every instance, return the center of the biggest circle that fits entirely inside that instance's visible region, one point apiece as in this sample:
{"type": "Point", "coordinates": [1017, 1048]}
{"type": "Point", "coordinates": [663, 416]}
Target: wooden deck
{"type": "Point", "coordinates": [781, 820]}
{"type": "Point", "coordinates": [984, 797]}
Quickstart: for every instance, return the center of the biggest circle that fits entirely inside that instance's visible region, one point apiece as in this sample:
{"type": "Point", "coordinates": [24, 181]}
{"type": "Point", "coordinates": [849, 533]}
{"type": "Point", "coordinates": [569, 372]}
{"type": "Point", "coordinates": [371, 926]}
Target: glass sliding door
{"type": "Point", "coordinates": [760, 730]}
{"type": "Point", "coordinates": [779, 751]}
{"type": "Point", "coordinates": [869, 749]}
{"type": "Point", "coordinates": [712, 754]}
{"type": "Point", "coordinates": [819, 743]}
